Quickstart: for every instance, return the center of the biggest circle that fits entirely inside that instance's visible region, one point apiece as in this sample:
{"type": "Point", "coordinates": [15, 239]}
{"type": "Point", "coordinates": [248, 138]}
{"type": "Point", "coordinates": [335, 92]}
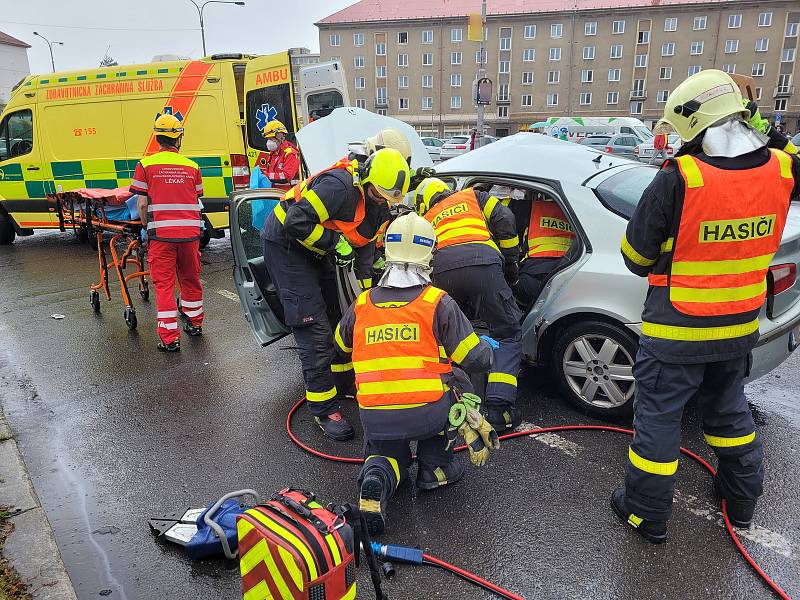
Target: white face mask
{"type": "Point", "coordinates": [272, 145]}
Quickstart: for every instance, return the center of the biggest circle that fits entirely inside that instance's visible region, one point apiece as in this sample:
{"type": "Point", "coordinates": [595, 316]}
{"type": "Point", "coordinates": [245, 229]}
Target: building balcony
{"type": "Point", "coordinates": [783, 91]}
{"type": "Point", "coordinates": [381, 103]}
{"type": "Point", "coordinates": [504, 99]}
{"type": "Point", "coordinates": [638, 94]}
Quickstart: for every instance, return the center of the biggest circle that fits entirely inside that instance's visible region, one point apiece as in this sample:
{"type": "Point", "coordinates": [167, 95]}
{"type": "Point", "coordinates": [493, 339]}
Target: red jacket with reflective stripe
{"type": "Point", "coordinates": [173, 185]}
{"type": "Point", "coordinates": [283, 165]}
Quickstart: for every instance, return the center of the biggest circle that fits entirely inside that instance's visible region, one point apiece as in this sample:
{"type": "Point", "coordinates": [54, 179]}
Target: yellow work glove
{"type": "Point", "coordinates": [479, 436]}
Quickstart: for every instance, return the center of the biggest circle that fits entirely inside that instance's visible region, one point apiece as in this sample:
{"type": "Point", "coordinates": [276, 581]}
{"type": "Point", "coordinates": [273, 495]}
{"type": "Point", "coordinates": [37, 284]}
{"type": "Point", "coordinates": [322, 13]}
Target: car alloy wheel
{"type": "Point", "coordinates": [599, 370]}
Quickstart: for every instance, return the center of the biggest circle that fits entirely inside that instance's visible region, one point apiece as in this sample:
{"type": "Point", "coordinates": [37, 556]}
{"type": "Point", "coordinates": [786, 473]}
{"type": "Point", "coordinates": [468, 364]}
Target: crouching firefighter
{"type": "Point", "coordinates": [329, 219]}
{"type": "Point", "coordinates": [477, 248]}
{"type": "Point", "coordinates": [405, 337]}
{"type": "Point", "coordinates": [704, 234]}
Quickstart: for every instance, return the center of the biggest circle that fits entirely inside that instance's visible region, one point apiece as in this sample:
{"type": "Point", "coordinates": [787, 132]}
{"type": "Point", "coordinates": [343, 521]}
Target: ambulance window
{"type": "Point", "coordinates": [238, 77]}
{"type": "Point", "coordinates": [264, 105]}
{"type": "Point", "coordinates": [16, 134]}
{"type": "Point", "coordinates": [322, 104]}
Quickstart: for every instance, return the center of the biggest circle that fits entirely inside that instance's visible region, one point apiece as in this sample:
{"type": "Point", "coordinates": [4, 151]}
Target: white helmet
{"type": "Point", "coordinates": [389, 138]}
{"type": "Point", "coordinates": [410, 239]}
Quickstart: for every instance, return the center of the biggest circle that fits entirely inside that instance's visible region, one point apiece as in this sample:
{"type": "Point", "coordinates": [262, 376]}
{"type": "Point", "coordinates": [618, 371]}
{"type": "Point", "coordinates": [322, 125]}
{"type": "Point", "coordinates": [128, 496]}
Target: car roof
{"type": "Point", "coordinates": [532, 155]}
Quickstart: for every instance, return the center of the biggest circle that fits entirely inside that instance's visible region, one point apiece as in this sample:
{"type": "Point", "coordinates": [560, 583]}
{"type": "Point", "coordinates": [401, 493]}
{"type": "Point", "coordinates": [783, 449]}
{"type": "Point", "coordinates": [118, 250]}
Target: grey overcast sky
{"type": "Point", "coordinates": [137, 30]}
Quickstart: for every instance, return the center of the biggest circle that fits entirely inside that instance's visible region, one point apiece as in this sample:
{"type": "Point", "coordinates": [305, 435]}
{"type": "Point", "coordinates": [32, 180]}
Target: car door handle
{"type": "Point", "coordinates": [33, 168]}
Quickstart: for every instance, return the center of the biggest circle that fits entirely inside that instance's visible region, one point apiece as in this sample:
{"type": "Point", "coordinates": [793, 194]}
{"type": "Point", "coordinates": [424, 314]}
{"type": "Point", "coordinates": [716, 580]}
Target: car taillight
{"type": "Point", "coordinates": [241, 172]}
{"type": "Point", "coordinates": [783, 277]}
{"type": "Point", "coordinates": [459, 147]}
{"type": "Point", "coordinates": [609, 149]}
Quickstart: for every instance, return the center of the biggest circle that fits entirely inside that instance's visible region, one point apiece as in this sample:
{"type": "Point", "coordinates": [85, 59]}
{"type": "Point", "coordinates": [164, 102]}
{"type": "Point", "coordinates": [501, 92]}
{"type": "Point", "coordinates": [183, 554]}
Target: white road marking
{"type": "Point", "coordinates": [757, 534]}
{"type": "Point", "coordinates": [553, 440]}
{"type": "Point", "coordinates": [229, 295]}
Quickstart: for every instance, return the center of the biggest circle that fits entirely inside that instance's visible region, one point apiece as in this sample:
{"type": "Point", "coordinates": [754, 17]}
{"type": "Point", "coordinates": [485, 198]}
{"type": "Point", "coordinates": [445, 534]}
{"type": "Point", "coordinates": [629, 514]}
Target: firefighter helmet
{"type": "Point", "coordinates": [426, 190]}
{"type": "Point", "coordinates": [388, 173]}
{"type": "Point", "coordinates": [389, 138]}
{"type": "Point", "coordinates": [410, 239]}
{"type": "Point", "coordinates": [168, 125]}
{"type": "Point", "coordinates": [273, 128]}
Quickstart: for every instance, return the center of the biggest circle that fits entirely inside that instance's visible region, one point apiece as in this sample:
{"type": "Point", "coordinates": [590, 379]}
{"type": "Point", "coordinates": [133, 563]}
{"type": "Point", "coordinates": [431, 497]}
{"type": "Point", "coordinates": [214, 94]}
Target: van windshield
{"type": "Point", "coordinates": [321, 104]}
{"type": "Point", "coordinates": [621, 193]}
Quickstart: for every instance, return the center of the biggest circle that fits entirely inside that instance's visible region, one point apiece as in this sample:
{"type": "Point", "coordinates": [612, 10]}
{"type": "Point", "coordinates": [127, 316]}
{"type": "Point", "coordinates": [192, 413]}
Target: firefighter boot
{"type": "Point", "coordinates": [740, 512]}
{"type": "Point", "coordinates": [653, 531]}
{"type": "Point", "coordinates": [171, 347]}
{"type": "Point", "coordinates": [335, 426]}
{"type": "Point", "coordinates": [503, 419]}
{"type": "Point", "coordinates": [372, 501]}
{"type": "Point", "coordinates": [430, 479]}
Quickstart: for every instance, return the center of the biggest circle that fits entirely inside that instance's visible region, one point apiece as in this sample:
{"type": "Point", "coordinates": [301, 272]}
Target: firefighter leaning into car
{"type": "Point", "coordinates": [703, 233]}
{"type": "Point", "coordinates": [408, 342]}
{"type": "Point", "coordinates": [169, 187]}
{"type": "Point", "coordinates": [282, 163]}
{"type": "Point", "coordinates": [331, 217]}
{"type": "Point", "coordinates": [476, 261]}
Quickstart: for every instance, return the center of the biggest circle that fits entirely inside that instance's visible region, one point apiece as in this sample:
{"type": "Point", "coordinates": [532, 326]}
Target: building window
{"type": "Point", "coordinates": [729, 68]}
{"type": "Point", "coordinates": [552, 99]}
{"type": "Point", "coordinates": [553, 76]}
{"type": "Point", "coordinates": [668, 49]}
{"type": "Point", "coordinates": [380, 95]}
{"type": "Point", "coordinates": [762, 44]}
{"type": "Point", "coordinates": [358, 62]}
{"type": "Point", "coordinates": [361, 83]}
{"type": "Point", "coordinates": [502, 112]}
{"type": "Point", "coordinates": [527, 100]}
{"type": "Point", "coordinates": [361, 103]}
{"type": "Point", "coordinates": [381, 111]}
{"type": "Point", "coordinates": [616, 50]}
{"type": "Point", "coordinates": [505, 66]}
{"type": "Point", "coordinates": [780, 103]}
{"type": "Point", "coordinates": [590, 28]}
{"type": "Point", "coordinates": [587, 76]}
{"type": "Point", "coordinates": [455, 102]}
{"type": "Point", "coordinates": [456, 35]}
{"type": "Point", "coordinates": [402, 82]}
{"type": "Point", "coordinates": [588, 52]}
{"type": "Point", "coordinates": [791, 29]}
{"type": "Point", "coordinates": [527, 78]}
{"type": "Point", "coordinates": [731, 46]}
{"type": "Point", "coordinates": [788, 55]}
{"type": "Point", "coordinates": [528, 55]}
{"type": "Point", "coordinates": [455, 79]}
{"type": "Point", "coordinates": [734, 21]}
{"type": "Point", "coordinates": [696, 48]}
{"type": "Point", "coordinates": [784, 81]}
{"type": "Point", "coordinates": [455, 58]}
{"type": "Point", "coordinates": [380, 72]}
{"type": "Point", "coordinates": [402, 38]}
{"type": "Point", "coordinates": [699, 23]}
{"type": "Point", "coordinates": [530, 32]}
{"type": "Point", "coordinates": [614, 74]}
{"type": "Point", "coordinates": [358, 40]}
{"type": "Point", "coordinates": [335, 39]}
{"type": "Point", "coordinates": [402, 104]}
{"type": "Point", "coordinates": [505, 43]}
{"type": "Point", "coordinates": [555, 54]}
{"type": "Point", "coordinates": [765, 19]}
{"type": "Point", "coordinates": [643, 38]}
{"type": "Point", "coordinates": [612, 97]}
{"type": "Point", "coordinates": [556, 30]}
{"type": "Point", "coordinates": [380, 49]}
{"type": "Point", "coordinates": [758, 93]}
{"type": "Point", "coordinates": [427, 36]}
{"type": "Point", "coordinates": [402, 60]}
{"type": "Point", "coordinates": [636, 108]}
{"type": "Point", "coordinates": [665, 73]}
{"type": "Point", "coordinates": [478, 57]}
{"type": "Point", "coordinates": [502, 92]}
{"type": "Point", "coordinates": [694, 69]}
{"type": "Point", "coordinates": [758, 69]}
{"type": "Point", "coordinates": [427, 81]}
{"type": "Point", "coordinates": [427, 102]}
{"type": "Point", "coordinates": [662, 95]}
{"type": "Point", "coordinates": [586, 98]}
{"type": "Point", "coordinates": [671, 24]}
{"type": "Point", "coordinates": [641, 60]}
{"type": "Point", "coordinates": [617, 27]}
{"type": "Point", "coordinates": [427, 59]}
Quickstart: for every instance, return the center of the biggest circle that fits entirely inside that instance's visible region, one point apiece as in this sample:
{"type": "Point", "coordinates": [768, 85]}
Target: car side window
{"type": "Point", "coordinates": [16, 134]}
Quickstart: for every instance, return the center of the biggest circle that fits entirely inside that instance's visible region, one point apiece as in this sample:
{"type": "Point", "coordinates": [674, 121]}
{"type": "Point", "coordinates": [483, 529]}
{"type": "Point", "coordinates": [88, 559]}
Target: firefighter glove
{"type": "Point", "coordinates": [491, 341]}
{"type": "Point", "coordinates": [420, 174]}
{"type": "Point", "coordinates": [479, 436]}
{"type": "Point", "coordinates": [379, 264]}
{"type": "Point", "coordinates": [756, 121]}
{"type": "Point", "coordinates": [344, 253]}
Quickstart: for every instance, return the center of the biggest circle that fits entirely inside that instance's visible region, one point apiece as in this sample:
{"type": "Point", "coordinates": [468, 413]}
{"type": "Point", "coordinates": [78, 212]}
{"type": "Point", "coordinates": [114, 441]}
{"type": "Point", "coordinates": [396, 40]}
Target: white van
{"type": "Point", "coordinates": [323, 89]}
{"type": "Point", "coordinates": [577, 128]}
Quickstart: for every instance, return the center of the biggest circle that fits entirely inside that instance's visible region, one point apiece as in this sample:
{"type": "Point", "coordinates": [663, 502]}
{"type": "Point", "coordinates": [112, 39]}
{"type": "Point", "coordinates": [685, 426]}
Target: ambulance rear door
{"type": "Point", "coordinates": [269, 95]}
{"type": "Point", "coordinates": [322, 90]}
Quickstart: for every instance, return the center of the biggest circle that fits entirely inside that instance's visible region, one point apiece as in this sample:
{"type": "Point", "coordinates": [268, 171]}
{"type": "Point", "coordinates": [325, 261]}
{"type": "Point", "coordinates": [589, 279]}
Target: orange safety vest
{"type": "Point", "coordinates": [346, 228]}
{"type": "Point", "coordinates": [549, 233]}
{"type": "Point", "coordinates": [458, 219]}
{"type": "Point", "coordinates": [731, 226]}
{"type": "Point", "coordinates": [396, 357]}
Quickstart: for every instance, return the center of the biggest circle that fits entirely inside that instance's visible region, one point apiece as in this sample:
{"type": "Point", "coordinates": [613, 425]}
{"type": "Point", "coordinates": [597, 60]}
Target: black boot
{"type": "Point", "coordinates": [171, 347]}
{"type": "Point", "coordinates": [372, 501]}
{"type": "Point", "coordinates": [335, 427]}
{"type": "Point", "coordinates": [653, 531]}
{"type": "Point", "coordinates": [740, 512]}
{"type": "Point", "coordinates": [192, 330]}
{"type": "Point", "coordinates": [430, 479]}
{"type": "Point", "coordinates": [503, 419]}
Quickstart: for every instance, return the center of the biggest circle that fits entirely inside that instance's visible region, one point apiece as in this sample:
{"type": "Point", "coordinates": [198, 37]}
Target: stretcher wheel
{"type": "Point", "coordinates": [130, 318]}
{"type": "Point", "coordinates": [94, 300]}
{"type": "Point", "coordinates": [144, 291]}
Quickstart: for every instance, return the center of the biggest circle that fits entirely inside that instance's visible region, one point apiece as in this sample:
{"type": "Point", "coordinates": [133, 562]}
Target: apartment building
{"type": "Point", "coordinates": [411, 59]}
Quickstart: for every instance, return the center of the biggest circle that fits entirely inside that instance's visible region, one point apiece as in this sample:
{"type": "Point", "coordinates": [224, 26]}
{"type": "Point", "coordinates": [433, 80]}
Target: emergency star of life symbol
{"type": "Point", "coordinates": [264, 115]}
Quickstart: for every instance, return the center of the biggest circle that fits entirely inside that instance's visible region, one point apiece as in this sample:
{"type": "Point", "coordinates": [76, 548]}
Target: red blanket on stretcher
{"type": "Point", "coordinates": [114, 197]}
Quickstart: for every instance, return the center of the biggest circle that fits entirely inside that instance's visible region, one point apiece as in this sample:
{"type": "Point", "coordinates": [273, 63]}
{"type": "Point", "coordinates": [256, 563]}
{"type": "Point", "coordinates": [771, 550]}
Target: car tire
{"type": "Point", "coordinates": [593, 363]}
{"type": "Point", "coordinates": [205, 237]}
{"type": "Point", "coordinates": [7, 232]}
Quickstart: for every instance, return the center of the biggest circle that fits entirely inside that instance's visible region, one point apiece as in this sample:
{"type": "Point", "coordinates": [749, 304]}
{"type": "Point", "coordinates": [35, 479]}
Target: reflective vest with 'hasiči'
{"type": "Point", "coordinates": [458, 219]}
{"type": "Point", "coordinates": [549, 232]}
{"type": "Point", "coordinates": [396, 357]}
{"type": "Point", "coordinates": [730, 228]}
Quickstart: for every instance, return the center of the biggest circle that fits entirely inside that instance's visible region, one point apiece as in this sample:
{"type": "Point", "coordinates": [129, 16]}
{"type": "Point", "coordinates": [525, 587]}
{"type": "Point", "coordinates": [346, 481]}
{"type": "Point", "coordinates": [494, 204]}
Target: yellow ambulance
{"type": "Point", "coordinates": [89, 128]}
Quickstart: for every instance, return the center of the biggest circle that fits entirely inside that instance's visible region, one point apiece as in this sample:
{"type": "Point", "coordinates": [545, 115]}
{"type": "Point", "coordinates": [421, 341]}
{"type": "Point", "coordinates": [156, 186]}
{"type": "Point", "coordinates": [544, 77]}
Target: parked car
{"type": "Point", "coordinates": [645, 150]}
{"type": "Point", "coordinates": [596, 142]}
{"type": "Point", "coordinates": [459, 145]}
{"type": "Point", "coordinates": [586, 323]}
{"type": "Point", "coordinates": [434, 147]}
{"type": "Point", "coordinates": [622, 145]}
{"type": "Point", "coordinates": [796, 140]}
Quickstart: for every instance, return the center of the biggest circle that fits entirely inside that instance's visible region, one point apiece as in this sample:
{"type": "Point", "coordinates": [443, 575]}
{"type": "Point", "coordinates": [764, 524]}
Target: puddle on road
{"type": "Point", "coordinates": [771, 395]}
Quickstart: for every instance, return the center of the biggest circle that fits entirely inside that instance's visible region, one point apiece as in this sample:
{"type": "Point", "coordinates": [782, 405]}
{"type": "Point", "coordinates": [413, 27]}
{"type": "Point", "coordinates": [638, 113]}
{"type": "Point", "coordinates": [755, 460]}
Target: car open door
{"type": "Point", "coordinates": [322, 90]}
{"type": "Point", "coordinates": [257, 293]}
{"type": "Point", "coordinates": [269, 95]}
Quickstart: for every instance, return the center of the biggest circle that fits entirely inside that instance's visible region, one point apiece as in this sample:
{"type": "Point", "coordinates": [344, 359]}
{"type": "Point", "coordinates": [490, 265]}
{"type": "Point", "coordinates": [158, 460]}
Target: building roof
{"type": "Point", "coordinates": [12, 41]}
{"type": "Point", "coordinates": [405, 10]}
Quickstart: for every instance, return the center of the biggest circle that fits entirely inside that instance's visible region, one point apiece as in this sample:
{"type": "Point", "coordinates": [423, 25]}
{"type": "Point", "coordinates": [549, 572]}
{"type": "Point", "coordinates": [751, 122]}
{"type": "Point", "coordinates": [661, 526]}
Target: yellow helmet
{"type": "Point", "coordinates": [702, 100]}
{"type": "Point", "coordinates": [273, 128]}
{"type": "Point", "coordinates": [168, 125]}
{"type": "Point", "coordinates": [389, 138]}
{"type": "Point", "coordinates": [410, 239]}
{"type": "Point", "coordinates": [426, 190]}
{"type": "Point", "coordinates": [388, 173]}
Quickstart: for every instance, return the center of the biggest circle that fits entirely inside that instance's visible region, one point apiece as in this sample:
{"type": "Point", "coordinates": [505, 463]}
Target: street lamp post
{"type": "Point", "coordinates": [481, 73]}
{"type": "Point", "coordinates": [49, 45]}
{"type": "Point", "coordinates": [200, 8]}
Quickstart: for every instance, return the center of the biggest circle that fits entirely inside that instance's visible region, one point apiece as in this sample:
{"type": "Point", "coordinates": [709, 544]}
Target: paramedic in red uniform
{"type": "Point", "coordinates": [281, 164]}
{"type": "Point", "coordinates": [170, 185]}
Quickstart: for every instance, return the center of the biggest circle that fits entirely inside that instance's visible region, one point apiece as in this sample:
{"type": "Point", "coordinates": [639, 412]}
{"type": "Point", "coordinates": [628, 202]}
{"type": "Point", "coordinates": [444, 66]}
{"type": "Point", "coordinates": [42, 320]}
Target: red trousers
{"type": "Point", "coordinates": [166, 260]}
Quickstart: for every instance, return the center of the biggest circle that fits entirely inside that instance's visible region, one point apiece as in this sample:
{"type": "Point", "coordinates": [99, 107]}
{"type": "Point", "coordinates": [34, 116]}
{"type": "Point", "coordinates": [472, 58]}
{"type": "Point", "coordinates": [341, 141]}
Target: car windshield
{"type": "Point", "coordinates": [595, 139]}
{"type": "Point", "coordinates": [643, 132]}
{"type": "Point", "coordinates": [621, 193]}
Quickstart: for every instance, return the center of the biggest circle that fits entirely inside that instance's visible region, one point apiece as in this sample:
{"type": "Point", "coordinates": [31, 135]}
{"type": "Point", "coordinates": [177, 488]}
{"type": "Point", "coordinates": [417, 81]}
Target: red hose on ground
{"type": "Point", "coordinates": [483, 583]}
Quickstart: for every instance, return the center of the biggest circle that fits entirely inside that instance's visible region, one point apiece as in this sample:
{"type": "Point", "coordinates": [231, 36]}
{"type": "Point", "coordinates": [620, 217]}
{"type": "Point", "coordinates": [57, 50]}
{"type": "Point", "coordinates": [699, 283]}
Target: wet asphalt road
{"type": "Point", "coordinates": [115, 433]}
